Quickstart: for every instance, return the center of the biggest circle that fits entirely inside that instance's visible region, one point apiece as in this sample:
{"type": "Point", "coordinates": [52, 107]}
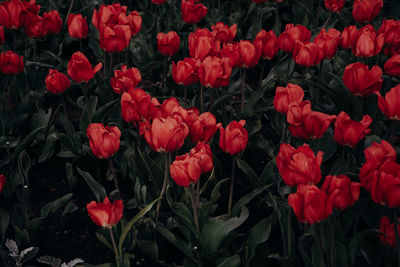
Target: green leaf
{"type": "Point", "coordinates": [48, 148]}
{"type": "Point", "coordinates": [55, 205]}
{"type": "Point", "coordinates": [217, 229]}
{"type": "Point", "coordinates": [258, 234]}
{"type": "Point", "coordinates": [71, 178]}
{"type": "Point", "coordinates": [356, 241]}
{"type": "Point", "coordinates": [104, 241]}
{"type": "Point", "coordinates": [149, 248]}
{"type": "Point", "coordinates": [230, 262]}
{"type": "Point", "coordinates": [97, 189]}
{"type": "Point", "coordinates": [102, 112]}
{"type": "Point", "coordinates": [247, 198]}
{"type": "Point", "coordinates": [251, 175]}
{"type": "Point", "coordinates": [4, 221]}
{"type": "Point", "coordinates": [87, 114]}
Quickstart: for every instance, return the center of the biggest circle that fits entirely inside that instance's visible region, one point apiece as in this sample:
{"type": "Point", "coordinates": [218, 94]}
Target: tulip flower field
{"type": "Point", "coordinates": [200, 133]}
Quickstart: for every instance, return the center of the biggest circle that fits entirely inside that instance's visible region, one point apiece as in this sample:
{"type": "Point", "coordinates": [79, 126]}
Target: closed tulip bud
{"type": "Point", "coordinates": [80, 69]}
{"type": "Point", "coordinates": [125, 79]}
{"type": "Point", "coordinates": [202, 44]}
{"type": "Point", "coordinates": [329, 40]}
{"type": "Point", "coordinates": [307, 54]}
{"type": "Point", "coordinates": [135, 105]}
{"type": "Point", "coordinates": [115, 38]}
{"type": "Point", "coordinates": [108, 15]}
{"type": "Point", "coordinates": [388, 184]}
{"type": "Point", "coordinates": [193, 12]}
{"type": "Point", "coordinates": [105, 214]}
{"type": "Point", "coordinates": [52, 21]}
{"type": "Point", "coordinates": [305, 123]}
{"type": "Point", "coordinates": [215, 72]}
{"type": "Point", "coordinates": [299, 166]}
{"type": "Point", "coordinates": [391, 32]}
{"type": "Point", "coordinates": [388, 233]}
{"type": "Point", "coordinates": [203, 127]}
{"type": "Point", "coordinates": [284, 96]}
{"type": "Point", "coordinates": [348, 37]}
{"type": "Point", "coordinates": [2, 39]}
{"type": "Point", "coordinates": [234, 138]}
{"type": "Point", "coordinates": [185, 170]}
{"type": "Point", "coordinates": [389, 105]}
{"type": "Point", "coordinates": [134, 20]}
{"type": "Point", "coordinates": [345, 192]}
{"type": "Point", "coordinates": [202, 153]}
{"type": "Point", "coordinates": [335, 5]}
{"type": "Point", "coordinates": [103, 141]}
{"type": "Point", "coordinates": [366, 10]}
{"type": "Point", "coordinates": [292, 34]}
{"type": "Point", "coordinates": [392, 66]}
{"type": "Point", "coordinates": [171, 108]}
{"type": "Point", "coordinates": [361, 81]}
{"type": "Point", "coordinates": [310, 204]}
{"type": "Point", "coordinates": [223, 33]}
{"type": "Point", "coordinates": [31, 7]}
{"type": "Point", "coordinates": [231, 51]}
{"type": "Point", "coordinates": [57, 82]}
{"type": "Point", "coordinates": [349, 132]}
{"type": "Point", "coordinates": [168, 44]}
{"type": "Point", "coordinates": [184, 72]}
{"type": "Point", "coordinates": [164, 134]}
{"type": "Point", "coordinates": [266, 44]}
{"type": "Point", "coordinates": [77, 26]}
{"type": "Point", "coordinates": [248, 54]}
{"type": "Point", "coordinates": [380, 152]}
{"type": "Point", "coordinates": [12, 14]}
{"type": "Point", "coordinates": [367, 43]}
{"type": "Point", "coordinates": [35, 26]}
{"type": "Point", "coordinates": [2, 181]}
{"type": "Point", "coordinates": [11, 63]}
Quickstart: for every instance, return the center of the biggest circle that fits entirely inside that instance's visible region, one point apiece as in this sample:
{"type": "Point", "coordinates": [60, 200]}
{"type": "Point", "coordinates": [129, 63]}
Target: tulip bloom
{"type": "Point", "coordinates": [171, 108]}
{"type": "Point", "coordinates": [115, 38]}
{"type": "Point", "coordinates": [380, 152]}
{"type": "Point", "coordinates": [193, 12]}
{"type": "Point", "coordinates": [310, 204]}
{"type": "Point", "coordinates": [307, 54]}
{"type": "Point", "coordinates": [389, 105]}
{"type": "Point", "coordinates": [80, 69]}
{"type": "Point", "coordinates": [349, 132]}
{"type": "Point", "coordinates": [168, 44]}
{"type": "Point", "coordinates": [388, 233]}
{"type": "Point", "coordinates": [105, 214]}
{"type": "Point", "coordinates": [184, 72]}
{"type": "Point", "coordinates": [366, 10]}
{"type": "Point", "coordinates": [367, 42]}
{"type": "Point", "coordinates": [305, 123]}
{"type": "Point", "coordinates": [12, 14]}
{"type": "Point", "coordinates": [266, 44]}
{"type": "Point", "coordinates": [52, 21]}
{"type": "Point", "coordinates": [214, 72]}
{"type": "Point", "coordinates": [284, 96]}
{"type": "Point", "coordinates": [299, 166]}
{"type": "Point", "coordinates": [329, 41]}
{"type": "Point", "coordinates": [231, 51]}
{"type": "Point", "coordinates": [77, 26]}
{"type": "Point", "coordinates": [361, 81]}
{"type": "Point", "coordinates": [292, 34]}
{"type": "Point", "coordinates": [2, 181]}
{"type": "Point", "coordinates": [344, 192]}
{"type": "Point", "coordinates": [335, 5]}
{"type": "Point", "coordinates": [135, 105]}
{"type": "Point", "coordinates": [202, 44]}
{"type": "Point", "coordinates": [164, 134]}
{"type": "Point", "coordinates": [125, 79]}
{"type": "Point", "coordinates": [11, 63]}
{"type": "Point", "coordinates": [109, 15]}
{"type": "Point", "coordinates": [234, 138]}
{"type": "Point", "coordinates": [392, 66]}
{"type": "Point", "coordinates": [103, 141]}
{"type": "Point", "coordinates": [57, 82]}
{"type": "Point", "coordinates": [348, 37]}
{"type": "Point", "coordinates": [248, 55]}
{"type": "Point", "coordinates": [391, 32]}
{"type": "Point", "coordinates": [35, 26]}
{"type": "Point", "coordinates": [203, 154]}
{"type": "Point", "coordinates": [203, 127]}
{"type": "Point", "coordinates": [223, 33]}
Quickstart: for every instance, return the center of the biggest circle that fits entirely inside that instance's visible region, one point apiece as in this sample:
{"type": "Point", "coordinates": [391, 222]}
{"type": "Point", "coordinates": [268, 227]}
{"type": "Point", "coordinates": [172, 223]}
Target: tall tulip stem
{"type": "Point", "coordinates": [327, 20]}
{"type": "Point", "coordinates": [69, 11]}
{"type": "Point", "coordinates": [195, 216]}
{"type": "Point", "coordinates": [164, 187]}
{"type": "Point", "coordinates": [396, 231]}
{"type": "Point", "coordinates": [114, 243]}
{"type": "Point", "coordinates": [64, 106]}
{"type": "Point", "coordinates": [232, 185]}
{"type": "Point", "coordinates": [114, 174]}
{"type": "Point", "coordinates": [242, 103]}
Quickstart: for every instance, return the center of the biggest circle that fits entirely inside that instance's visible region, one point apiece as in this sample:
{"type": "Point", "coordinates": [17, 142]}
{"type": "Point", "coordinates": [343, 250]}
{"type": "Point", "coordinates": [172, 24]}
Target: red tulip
{"type": "Point", "coordinates": [366, 10]}
{"type": "Point", "coordinates": [344, 192]}
{"type": "Point", "coordinates": [361, 81]}
{"type": "Point", "coordinates": [158, 2]}
{"type": "Point", "coordinates": [389, 104]}
{"type": "Point", "coordinates": [284, 96]}
{"type": "Point", "coordinates": [115, 38]}
{"type": "Point", "coordinates": [103, 141]}
{"type": "Point", "coordinates": [310, 204]}
{"type": "Point", "coordinates": [136, 105]}
{"type": "Point", "coordinates": [168, 44]}
{"type": "Point", "coordinates": [248, 54]}
{"type": "Point", "coordinates": [171, 108]}
{"type": "Point", "coordinates": [202, 44]}
{"type": "Point", "coordinates": [11, 63]}
{"type": "Point", "coordinates": [307, 54]}
{"type": "Point", "coordinates": [391, 32]}
{"type": "Point", "coordinates": [348, 37]}
{"type": "Point", "coordinates": [2, 181]}
{"type": "Point", "coordinates": [108, 15]}
{"type": "Point", "coordinates": [52, 21]}
{"type": "Point", "coordinates": [292, 34]}
{"type": "Point", "coordinates": [184, 72]}
{"type": "Point", "coordinates": [164, 134]}
{"type": "Point", "coordinates": [203, 127]}
{"type": "Point", "coordinates": [380, 152]}
{"type": "Point", "coordinates": [57, 82]}
{"type": "Point", "coordinates": [223, 33]}
{"type": "Point", "coordinates": [202, 153]}
{"type": "Point", "coordinates": [215, 72]}
{"type": "Point", "coordinates": [335, 5]}
{"type": "Point", "coordinates": [234, 138]}
{"type": "Point", "coordinates": [307, 124]}
{"type": "Point", "coordinates": [367, 43]}
{"type": "Point", "coordinates": [349, 132]}
{"type": "Point", "coordinates": [12, 14]}
{"type": "Point", "coordinates": [125, 79]}
{"type": "Point", "coordinates": [105, 214]}
{"type": "Point", "coordinates": [299, 166]}
{"type": "Point", "coordinates": [392, 66]}
{"type": "Point", "coordinates": [266, 44]}
{"type": "Point", "coordinates": [2, 38]}
{"type": "Point", "coordinates": [329, 40]}
{"type": "Point", "coordinates": [35, 26]}
{"type": "Point", "coordinates": [388, 183]}
{"type": "Point", "coordinates": [192, 12]}
{"type": "Point", "coordinates": [388, 233]}
{"type": "Point", "coordinates": [80, 69]}
{"type": "Point", "coordinates": [231, 51]}
{"type": "Point", "coordinates": [134, 20]}
{"type": "Point", "coordinates": [77, 26]}
{"type": "Point", "coordinates": [31, 7]}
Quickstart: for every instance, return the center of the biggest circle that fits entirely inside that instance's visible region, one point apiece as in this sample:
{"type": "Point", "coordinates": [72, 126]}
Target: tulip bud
{"type": "Point", "coordinates": [307, 54]}
{"type": "Point", "coordinates": [344, 192]}
{"type": "Point", "coordinates": [361, 81]}
{"type": "Point", "coordinates": [335, 5]}
{"type": "Point", "coordinates": [223, 33]}
{"type": "Point", "coordinates": [192, 12]}
{"type": "Point", "coordinates": [367, 43]}
{"type": "Point", "coordinates": [266, 44]}
{"type": "Point", "coordinates": [388, 233]}
{"type": "Point", "coordinates": [392, 66]}
{"type": "Point", "coordinates": [125, 79]}
{"type": "Point", "coordinates": [35, 26]}
{"type": "Point", "coordinates": [366, 10]}
{"type": "Point", "coordinates": [292, 34]}
{"type": "Point", "coordinates": [348, 37]}
{"type": "Point", "coordinates": [12, 14]}
{"type": "Point", "coordinates": [203, 127]}
{"type": "Point", "coordinates": [11, 63]}
{"type": "Point", "coordinates": [284, 96]}
{"type": "Point", "coordinates": [77, 26]}
{"type": "Point", "coordinates": [103, 141]}
{"type": "Point", "coordinates": [115, 38]}
{"type": "Point", "coordinates": [234, 138]}
{"type": "Point", "coordinates": [329, 41]}
{"type": "Point", "coordinates": [248, 54]}
{"type": "Point", "coordinates": [52, 21]}
{"type": "Point", "coordinates": [389, 105]}
{"type": "Point", "coordinates": [168, 44]}
{"type": "Point", "coordinates": [135, 105]}
{"type": "Point", "coordinates": [57, 82]}
{"type": "Point", "coordinates": [105, 214]}
{"type": "Point", "coordinates": [184, 72]}
{"type": "Point", "coordinates": [349, 132]}
{"type": "Point", "coordinates": [215, 72]}
{"type": "Point", "coordinates": [80, 69]}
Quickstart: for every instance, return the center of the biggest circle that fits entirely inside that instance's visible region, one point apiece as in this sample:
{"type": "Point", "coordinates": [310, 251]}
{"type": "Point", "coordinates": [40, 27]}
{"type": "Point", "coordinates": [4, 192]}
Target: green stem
{"type": "Point", "coordinates": [288, 68]}
{"type": "Point", "coordinates": [332, 252]}
{"type": "Point", "coordinates": [289, 235]}
{"type": "Point", "coordinates": [327, 20]}
{"type": "Point", "coordinates": [164, 187]}
{"type": "Point", "coordinates": [114, 244]}
{"type": "Point", "coordinates": [69, 11]}
{"type": "Point", "coordinates": [195, 216]}
{"type": "Point", "coordinates": [64, 106]}
{"type": "Point", "coordinates": [232, 185]}
{"type": "Point", "coordinates": [198, 194]}
{"type": "Point", "coordinates": [243, 90]}
{"type": "Point", "coordinates": [320, 245]}
{"type": "Point", "coordinates": [114, 174]}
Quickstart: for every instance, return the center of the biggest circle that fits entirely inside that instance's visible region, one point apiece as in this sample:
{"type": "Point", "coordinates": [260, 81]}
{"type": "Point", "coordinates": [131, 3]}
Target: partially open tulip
{"type": "Point", "coordinates": [388, 233]}
{"type": "Point", "coordinates": [203, 127]}
{"type": "Point", "coordinates": [2, 181]}
{"type": "Point", "coordinates": [348, 37]}
{"type": "Point", "coordinates": [361, 81]}
{"type": "Point", "coordinates": [77, 26]}
{"type": "Point", "coordinates": [392, 66]}
{"type": "Point", "coordinates": [366, 10]}
{"type": "Point", "coordinates": [234, 138]}
{"type": "Point", "coordinates": [380, 152]}
{"type": "Point", "coordinates": [184, 72]}
{"type": "Point", "coordinates": [12, 14]}
{"type": "Point", "coordinates": [292, 34]}
{"type": "Point", "coordinates": [248, 55]}
{"type": "Point", "coordinates": [391, 32]}
{"type": "Point", "coordinates": [390, 104]}
{"type": "Point", "coordinates": [134, 20]}
{"type": "Point", "coordinates": [223, 32]}
{"type": "Point", "coordinates": [203, 154]}
{"type": "Point", "coordinates": [215, 72]}
{"type": "Point", "coordinates": [135, 105]}
{"type": "Point", "coordinates": [105, 214]}
{"type": "Point", "coordinates": [202, 44]}
{"type": "Point", "coordinates": [307, 54]}
{"type": "Point", "coordinates": [57, 82]}
{"type": "Point", "coordinates": [349, 132]}
{"type": "Point", "coordinates": [231, 51]}
{"type": "Point", "coordinates": [284, 96]}
{"type": "Point", "coordinates": [193, 12]}
{"type": "Point", "coordinates": [344, 192]}
{"type": "Point", "coordinates": [52, 21]}
{"type": "Point", "coordinates": [35, 26]}
{"type": "Point", "coordinates": [80, 69]}
{"type": "Point", "coordinates": [171, 108]}
{"type": "Point", "coordinates": [125, 79]}
{"type": "Point", "coordinates": [109, 15]}
{"type": "Point", "coordinates": [335, 5]}
{"type": "Point", "coordinates": [115, 38]}
{"type": "Point", "coordinates": [310, 204]}
{"type": "Point", "coordinates": [168, 43]}
{"type": "Point", "coordinates": [299, 166]}
{"type": "Point", "coordinates": [266, 44]}
{"type": "Point", "coordinates": [329, 41]}
{"type": "Point", "coordinates": [11, 63]}
{"type": "Point", "coordinates": [103, 141]}
{"type": "Point", "coordinates": [367, 42]}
